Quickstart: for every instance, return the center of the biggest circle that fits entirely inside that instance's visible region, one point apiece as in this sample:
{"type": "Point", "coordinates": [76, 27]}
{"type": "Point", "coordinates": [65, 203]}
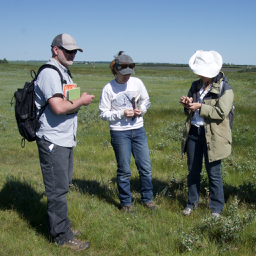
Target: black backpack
{"type": "Point", "coordinates": [25, 108]}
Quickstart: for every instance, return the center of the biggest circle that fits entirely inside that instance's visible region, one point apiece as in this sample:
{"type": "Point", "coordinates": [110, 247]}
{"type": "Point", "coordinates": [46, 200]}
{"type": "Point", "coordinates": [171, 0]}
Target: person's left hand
{"type": "Point", "coordinates": [194, 106]}
{"type": "Point", "coordinates": [137, 112]}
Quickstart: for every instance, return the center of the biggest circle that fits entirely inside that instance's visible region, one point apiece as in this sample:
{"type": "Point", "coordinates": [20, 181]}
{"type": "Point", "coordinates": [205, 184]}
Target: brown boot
{"type": "Point", "coordinates": [76, 245]}
{"type": "Point", "coordinates": [150, 206]}
{"type": "Point", "coordinates": [128, 209]}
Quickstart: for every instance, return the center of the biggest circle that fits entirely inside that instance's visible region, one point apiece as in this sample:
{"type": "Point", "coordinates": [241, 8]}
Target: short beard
{"type": "Point", "coordinates": [64, 61]}
{"type": "Point", "coordinates": [69, 62]}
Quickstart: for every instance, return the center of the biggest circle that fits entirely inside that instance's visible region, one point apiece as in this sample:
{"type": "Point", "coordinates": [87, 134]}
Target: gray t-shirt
{"type": "Point", "coordinates": [57, 129]}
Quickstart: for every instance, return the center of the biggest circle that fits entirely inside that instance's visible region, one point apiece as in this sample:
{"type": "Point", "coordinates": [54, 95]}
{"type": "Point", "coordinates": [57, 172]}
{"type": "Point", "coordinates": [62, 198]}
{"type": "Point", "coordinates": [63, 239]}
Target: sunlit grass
{"type": "Point", "coordinates": [93, 199]}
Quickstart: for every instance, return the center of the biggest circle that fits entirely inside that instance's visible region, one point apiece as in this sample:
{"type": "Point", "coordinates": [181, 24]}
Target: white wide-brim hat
{"type": "Point", "coordinates": [206, 63]}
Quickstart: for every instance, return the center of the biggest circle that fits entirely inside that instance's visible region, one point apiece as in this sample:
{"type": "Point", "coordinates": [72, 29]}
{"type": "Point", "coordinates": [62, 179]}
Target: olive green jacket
{"type": "Point", "coordinates": [217, 111]}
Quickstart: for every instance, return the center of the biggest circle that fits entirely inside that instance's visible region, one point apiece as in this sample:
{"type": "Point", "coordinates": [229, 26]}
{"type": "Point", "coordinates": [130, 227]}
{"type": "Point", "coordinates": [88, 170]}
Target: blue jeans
{"type": "Point", "coordinates": [124, 143]}
{"type": "Point", "coordinates": [196, 149]}
{"type": "Point", "coordinates": [57, 170]}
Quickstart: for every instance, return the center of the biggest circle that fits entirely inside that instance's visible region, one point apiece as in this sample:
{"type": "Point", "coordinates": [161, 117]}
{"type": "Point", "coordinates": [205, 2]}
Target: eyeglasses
{"type": "Point", "coordinates": [124, 66]}
{"type": "Point", "coordinates": [67, 51]}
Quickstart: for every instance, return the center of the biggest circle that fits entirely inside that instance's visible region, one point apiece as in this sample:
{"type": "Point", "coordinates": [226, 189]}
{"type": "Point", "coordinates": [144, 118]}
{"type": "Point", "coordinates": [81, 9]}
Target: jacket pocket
{"type": "Point", "coordinates": [223, 137]}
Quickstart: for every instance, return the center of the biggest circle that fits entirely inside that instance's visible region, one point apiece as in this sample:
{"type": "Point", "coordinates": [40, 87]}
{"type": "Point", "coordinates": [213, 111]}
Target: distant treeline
{"type": "Point", "coordinates": [243, 68]}
{"type": "Point", "coordinates": [5, 61]}
{"type": "Point", "coordinates": [249, 69]}
{"type": "Point", "coordinates": [149, 64]}
{"type": "Point", "coordinates": [225, 65]}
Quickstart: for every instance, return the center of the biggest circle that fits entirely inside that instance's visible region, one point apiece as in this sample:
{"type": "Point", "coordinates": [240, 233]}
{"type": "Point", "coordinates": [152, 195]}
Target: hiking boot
{"type": "Point", "coordinates": [76, 232]}
{"type": "Point", "coordinates": [150, 206]}
{"type": "Point", "coordinates": [215, 214]}
{"type": "Point", "coordinates": [187, 211]}
{"type": "Point", "coordinates": [76, 245]}
{"type": "Point", "coordinates": [128, 209]}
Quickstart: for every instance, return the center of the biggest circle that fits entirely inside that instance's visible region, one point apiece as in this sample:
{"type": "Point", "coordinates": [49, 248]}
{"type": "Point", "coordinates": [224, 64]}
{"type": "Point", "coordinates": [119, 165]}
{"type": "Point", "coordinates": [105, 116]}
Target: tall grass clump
{"type": "Point", "coordinates": [222, 231]}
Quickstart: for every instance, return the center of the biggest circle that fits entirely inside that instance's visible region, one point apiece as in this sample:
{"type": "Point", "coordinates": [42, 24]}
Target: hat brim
{"type": "Point", "coordinates": [205, 71]}
{"type": "Point", "coordinates": [126, 71]}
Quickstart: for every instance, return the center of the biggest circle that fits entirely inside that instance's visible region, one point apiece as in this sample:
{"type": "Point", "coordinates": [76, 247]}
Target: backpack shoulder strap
{"type": "Point", "coordinates": [63, 81]}
{"type": "Point", "coordinates": [34, 76]}
{"type": "Point", "coordinates": [221, 89]}
{"type": "Point", "coordinates": [231, 113]}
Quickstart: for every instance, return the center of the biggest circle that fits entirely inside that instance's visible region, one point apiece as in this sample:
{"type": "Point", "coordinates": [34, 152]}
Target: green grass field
{"type": "Point", "coordinates": [93, 202]}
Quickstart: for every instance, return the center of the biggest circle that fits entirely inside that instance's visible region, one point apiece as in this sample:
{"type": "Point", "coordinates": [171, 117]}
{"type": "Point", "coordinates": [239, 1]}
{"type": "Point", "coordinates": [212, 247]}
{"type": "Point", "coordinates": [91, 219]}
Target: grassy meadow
{"type": "Point", "coordinates": [93, 202]}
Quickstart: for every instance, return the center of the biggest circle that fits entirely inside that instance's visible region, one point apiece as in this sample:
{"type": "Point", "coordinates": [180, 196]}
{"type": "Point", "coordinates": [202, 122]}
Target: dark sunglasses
{"type": "Point", "coordinates": [67, 51]}
{"type": "Point", "coordinates": [124, 66]}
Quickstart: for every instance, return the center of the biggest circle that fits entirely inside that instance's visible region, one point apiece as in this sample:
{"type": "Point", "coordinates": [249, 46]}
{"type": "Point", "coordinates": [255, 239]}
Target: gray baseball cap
{"type": "Point", "coordinates": [124, 64]}
{"type": "Point", "coordinates": [66, 41]}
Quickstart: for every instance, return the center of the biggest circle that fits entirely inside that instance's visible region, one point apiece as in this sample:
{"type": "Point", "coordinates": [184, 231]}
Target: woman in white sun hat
{"type": "Point", "coordinates": [207, 133]}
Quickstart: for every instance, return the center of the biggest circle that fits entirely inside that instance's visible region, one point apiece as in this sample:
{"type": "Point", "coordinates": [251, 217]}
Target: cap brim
{"type": "Point", "coordinates": [126, 71]}
{"type": "Point", "coordinates": [72, 47]}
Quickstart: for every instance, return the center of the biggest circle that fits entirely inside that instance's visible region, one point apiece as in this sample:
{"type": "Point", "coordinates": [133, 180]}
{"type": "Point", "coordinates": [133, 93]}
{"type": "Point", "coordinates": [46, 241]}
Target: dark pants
{"type": "Point", "coordinates": [57, 169]}
{"type": "Point", "coordinates": [196, 149]}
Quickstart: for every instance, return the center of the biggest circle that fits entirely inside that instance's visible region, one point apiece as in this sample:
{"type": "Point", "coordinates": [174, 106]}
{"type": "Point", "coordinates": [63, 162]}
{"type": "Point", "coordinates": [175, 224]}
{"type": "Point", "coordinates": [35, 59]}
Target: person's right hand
{"type": "Point", "coordinates": [86, 98]}
{"type": "Point", "coordinates": [129, 113]}
{"type": "Point", "coordinates": [185, 101]}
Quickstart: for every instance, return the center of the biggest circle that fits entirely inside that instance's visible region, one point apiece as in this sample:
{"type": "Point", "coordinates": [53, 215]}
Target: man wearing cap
{"type": "Point", "coordinates": [56, 138]}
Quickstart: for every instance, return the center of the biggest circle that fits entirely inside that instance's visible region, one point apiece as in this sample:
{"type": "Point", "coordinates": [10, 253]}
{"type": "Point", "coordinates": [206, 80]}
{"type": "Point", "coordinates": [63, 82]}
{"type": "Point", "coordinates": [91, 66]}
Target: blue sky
{"type": "Point", "coordinates": [149, 31]}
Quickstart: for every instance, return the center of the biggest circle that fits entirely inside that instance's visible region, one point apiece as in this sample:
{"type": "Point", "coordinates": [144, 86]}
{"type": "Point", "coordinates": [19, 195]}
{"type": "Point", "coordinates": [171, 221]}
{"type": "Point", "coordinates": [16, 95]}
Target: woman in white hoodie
{"type": "Point", "coordinates": [125, 116]}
